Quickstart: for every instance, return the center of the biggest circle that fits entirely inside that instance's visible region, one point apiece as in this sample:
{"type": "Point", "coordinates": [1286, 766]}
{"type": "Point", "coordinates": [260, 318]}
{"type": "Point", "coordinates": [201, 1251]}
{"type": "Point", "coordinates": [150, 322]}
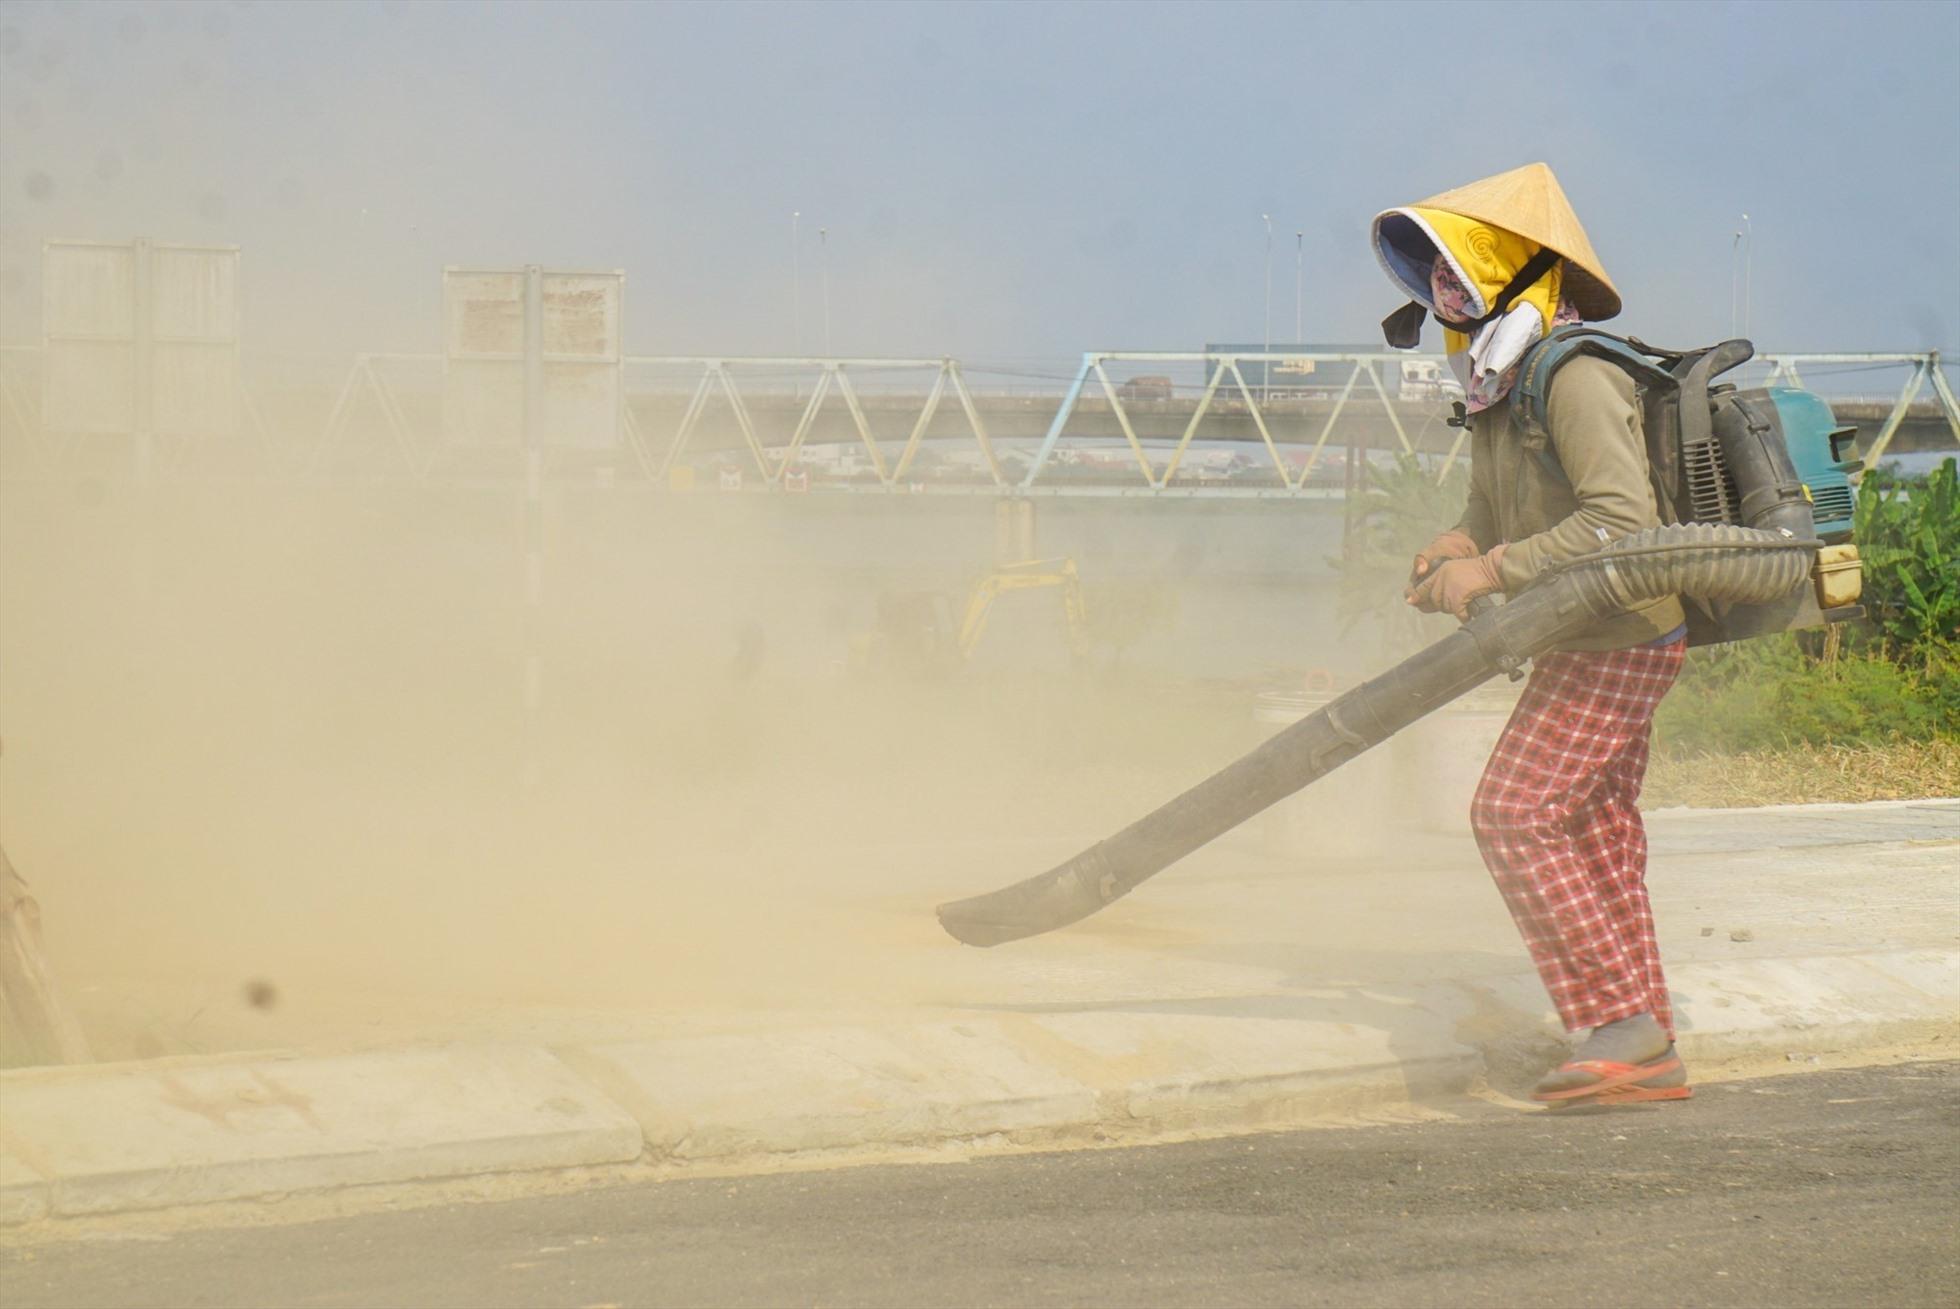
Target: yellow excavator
{"type": "Point", "coordinates": [916, 632]}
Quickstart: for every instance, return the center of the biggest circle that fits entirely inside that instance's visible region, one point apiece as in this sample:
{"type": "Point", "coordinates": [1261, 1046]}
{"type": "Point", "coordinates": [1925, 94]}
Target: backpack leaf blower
{"type": "Point", "coordinates": [1740, 538]}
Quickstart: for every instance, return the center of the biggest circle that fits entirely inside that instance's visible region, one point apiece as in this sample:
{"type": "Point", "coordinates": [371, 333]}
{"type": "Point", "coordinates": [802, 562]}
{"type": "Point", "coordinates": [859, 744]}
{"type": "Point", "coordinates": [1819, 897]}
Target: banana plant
{"type": "Point", "coordinates": [1908, 534]}
{"type": "Point", "coordinates": [1399, 509]}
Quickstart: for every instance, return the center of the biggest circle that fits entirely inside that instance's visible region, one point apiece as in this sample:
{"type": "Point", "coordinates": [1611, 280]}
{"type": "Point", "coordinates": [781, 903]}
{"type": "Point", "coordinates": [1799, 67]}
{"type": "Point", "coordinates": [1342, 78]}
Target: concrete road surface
{"type": "Point", "coordinates": [1825, 1188]}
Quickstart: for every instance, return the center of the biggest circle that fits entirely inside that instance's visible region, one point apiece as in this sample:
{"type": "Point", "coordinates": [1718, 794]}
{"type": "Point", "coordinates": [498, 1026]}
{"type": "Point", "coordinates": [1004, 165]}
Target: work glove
{"type": "Point", "coordinates": [1447, 545]}
{"type": "Point", "coordinates": [1453, 584]}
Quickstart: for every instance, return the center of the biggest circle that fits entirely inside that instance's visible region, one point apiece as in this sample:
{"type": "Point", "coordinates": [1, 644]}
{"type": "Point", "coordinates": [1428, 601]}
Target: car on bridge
{"type": "Point", "coordinates": [1146, 386]}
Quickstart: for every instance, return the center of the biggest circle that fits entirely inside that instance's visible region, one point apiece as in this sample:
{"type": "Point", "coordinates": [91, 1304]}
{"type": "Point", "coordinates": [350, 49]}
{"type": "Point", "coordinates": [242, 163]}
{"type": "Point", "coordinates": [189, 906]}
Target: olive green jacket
{"type": "Point", "coordinates": [1547, 519]}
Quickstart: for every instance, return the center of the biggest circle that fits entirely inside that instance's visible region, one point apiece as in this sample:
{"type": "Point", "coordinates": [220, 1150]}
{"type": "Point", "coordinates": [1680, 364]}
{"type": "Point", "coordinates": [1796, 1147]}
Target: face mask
{"type": "Point", "coordinates": [1486, 359]}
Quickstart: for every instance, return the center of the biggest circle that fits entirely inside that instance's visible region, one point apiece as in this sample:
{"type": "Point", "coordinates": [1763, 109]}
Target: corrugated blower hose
{"type": "Point", "coordinates": [1722, 564]}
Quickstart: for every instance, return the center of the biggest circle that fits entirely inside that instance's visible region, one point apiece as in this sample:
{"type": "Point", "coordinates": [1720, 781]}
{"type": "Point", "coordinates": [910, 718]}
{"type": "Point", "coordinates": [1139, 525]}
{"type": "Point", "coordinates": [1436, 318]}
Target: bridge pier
{"type": "Point", "coordinates": [1014, 537]}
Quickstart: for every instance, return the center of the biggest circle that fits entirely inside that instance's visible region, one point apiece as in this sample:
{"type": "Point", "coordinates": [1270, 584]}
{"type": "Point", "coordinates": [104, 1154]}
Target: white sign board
{"type": "Point", "coordinates": [141, 338]}
{"type": "Point", "coordinates": [487, 321]}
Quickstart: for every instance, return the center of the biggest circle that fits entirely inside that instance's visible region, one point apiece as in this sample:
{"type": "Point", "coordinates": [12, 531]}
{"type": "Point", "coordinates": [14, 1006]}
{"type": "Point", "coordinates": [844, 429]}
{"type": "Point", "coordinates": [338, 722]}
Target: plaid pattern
{"type": "Point", "coordinates": [1559, 827]}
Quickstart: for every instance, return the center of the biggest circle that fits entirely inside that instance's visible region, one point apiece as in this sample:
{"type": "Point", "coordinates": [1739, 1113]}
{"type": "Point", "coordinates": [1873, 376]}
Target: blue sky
{"type": "Point", "coordinates": [1005, 181]}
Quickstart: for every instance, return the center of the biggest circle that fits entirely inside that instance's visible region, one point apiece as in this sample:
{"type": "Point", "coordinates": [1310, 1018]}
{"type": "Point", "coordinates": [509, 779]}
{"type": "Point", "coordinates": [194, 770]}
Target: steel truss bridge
{"type": "Point", "coordinates": [1166, 424]}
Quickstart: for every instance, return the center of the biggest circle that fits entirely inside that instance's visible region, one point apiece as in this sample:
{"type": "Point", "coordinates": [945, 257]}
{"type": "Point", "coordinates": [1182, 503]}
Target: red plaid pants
{"type": "Point", "coordinates": [1557, 819]}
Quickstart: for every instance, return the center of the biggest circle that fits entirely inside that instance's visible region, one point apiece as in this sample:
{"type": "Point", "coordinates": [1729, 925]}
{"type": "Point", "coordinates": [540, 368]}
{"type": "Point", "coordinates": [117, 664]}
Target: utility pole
{"type": "Point", "coordinates": [796, 276]}
{"type": "Point", "coordinates": [823, 246]}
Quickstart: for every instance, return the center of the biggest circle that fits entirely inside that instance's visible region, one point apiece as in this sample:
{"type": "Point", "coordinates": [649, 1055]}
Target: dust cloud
{"type": "Point", "coordinates": [269, 768]}
{"type": "Point", "coordinates": [268, 763]}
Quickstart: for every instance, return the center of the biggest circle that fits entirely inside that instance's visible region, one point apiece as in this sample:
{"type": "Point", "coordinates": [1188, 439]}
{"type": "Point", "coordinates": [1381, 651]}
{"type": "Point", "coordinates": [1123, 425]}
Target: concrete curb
{"type": "Point", "coordinates": [721, 1097]}
{"type": "Point", "coordinates": [139, 1136]}
{"type": "Point", "coordinates": [1806, 807]}
{"type": "Point", "coordinates": [112, 1137]}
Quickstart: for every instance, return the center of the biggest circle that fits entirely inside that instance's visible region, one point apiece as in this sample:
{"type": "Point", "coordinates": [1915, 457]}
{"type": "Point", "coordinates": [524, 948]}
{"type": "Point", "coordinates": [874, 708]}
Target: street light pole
{"type": "Point", "coordinates": [1748, 269]}
{"type": "Point", "coordinates": [1299, 256]}
{"type": "Point", "coordinates": [1267, 219]}
{"type": "Point", "coordinates": [1735, 284]}
{"type": "Point", "coordinates": [823, 247]}
{"type": "Point", "coordinates": [796, 275]}
{"type": "Point", "coordinates": [1265, 365]}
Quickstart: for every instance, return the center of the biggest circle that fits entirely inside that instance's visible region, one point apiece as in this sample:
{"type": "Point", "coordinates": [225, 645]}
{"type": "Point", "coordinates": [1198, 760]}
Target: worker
{"type": "Point", "coordinates": [1500, 263]}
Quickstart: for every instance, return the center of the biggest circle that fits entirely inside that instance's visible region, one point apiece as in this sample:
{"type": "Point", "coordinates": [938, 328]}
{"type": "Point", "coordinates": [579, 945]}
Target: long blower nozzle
{"type": "Point", "coordinates": [1720, 563]}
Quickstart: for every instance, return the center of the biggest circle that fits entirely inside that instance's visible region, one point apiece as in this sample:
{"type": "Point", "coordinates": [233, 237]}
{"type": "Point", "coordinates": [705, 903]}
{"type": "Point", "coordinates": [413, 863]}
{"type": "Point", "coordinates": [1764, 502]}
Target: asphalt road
{"type": "Point", "coordinates": [1828, 1188]}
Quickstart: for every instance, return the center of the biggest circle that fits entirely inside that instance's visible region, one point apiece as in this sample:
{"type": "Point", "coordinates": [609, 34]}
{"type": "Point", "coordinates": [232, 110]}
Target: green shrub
{"type": "Point", "coordinates": [1908, 534]}
{"type": "Point", "coordinates": [1899, 679]}
{"type": "Point", "coordinates": [1767, 693]}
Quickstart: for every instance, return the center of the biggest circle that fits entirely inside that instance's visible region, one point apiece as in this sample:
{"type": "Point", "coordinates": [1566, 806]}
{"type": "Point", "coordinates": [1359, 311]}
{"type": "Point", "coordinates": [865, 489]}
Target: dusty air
{"type": "Point", "coordinates": [952, 654]}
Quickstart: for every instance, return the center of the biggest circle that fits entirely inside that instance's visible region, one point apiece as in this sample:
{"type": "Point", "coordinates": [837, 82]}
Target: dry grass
{"type": "Point", "coordinates": [1805, 774]}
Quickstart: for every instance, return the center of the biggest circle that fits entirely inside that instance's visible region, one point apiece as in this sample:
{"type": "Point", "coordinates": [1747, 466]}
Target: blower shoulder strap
{"type": "Point", "coordinates": [1653, 376]}
{"type": "Point", "coordinates": [1672, 387]}
{"type": "Point", "coordinates": [1650, 369]}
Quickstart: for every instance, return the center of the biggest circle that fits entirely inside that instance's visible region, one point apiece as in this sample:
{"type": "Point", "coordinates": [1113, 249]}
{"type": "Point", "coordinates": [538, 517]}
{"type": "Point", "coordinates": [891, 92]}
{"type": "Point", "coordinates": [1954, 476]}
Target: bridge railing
{"type": "Point", "coordinates": [774, 464]}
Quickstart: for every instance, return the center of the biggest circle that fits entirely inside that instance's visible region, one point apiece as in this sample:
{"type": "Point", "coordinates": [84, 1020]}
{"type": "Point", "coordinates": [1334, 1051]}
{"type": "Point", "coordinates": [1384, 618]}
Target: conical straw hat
{"type": "Point", "coordinates": [1530, 202]}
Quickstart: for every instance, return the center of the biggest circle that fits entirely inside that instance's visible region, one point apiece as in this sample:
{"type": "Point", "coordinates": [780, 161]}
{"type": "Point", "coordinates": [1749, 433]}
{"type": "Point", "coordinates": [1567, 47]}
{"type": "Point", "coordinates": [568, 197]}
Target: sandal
{"type": "Point", "coordinates": [1616, 1083]}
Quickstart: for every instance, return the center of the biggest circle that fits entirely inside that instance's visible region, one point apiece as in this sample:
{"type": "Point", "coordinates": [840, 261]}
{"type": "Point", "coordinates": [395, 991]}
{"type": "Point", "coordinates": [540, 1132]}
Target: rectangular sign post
{"type": "Point", "coordinates": [533, 362]}
{"type": "Point", "coordinates": [557, 332]}
{"type": "Point", "coordinates": [141, 342]}
{"type": "Point", "coordinates": [534, 395]}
